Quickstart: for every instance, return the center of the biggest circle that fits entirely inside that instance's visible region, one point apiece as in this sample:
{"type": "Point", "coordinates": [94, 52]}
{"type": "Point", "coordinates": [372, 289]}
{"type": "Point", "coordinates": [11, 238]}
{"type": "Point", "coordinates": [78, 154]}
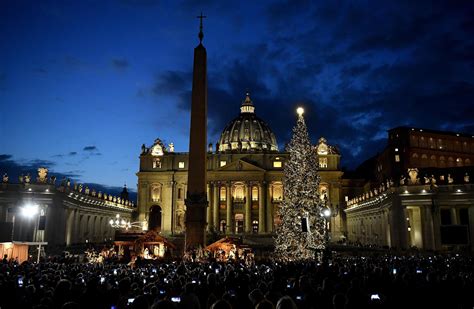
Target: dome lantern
{"type": "Point", "coordinates": [247, 132]}
{"type": "Point", "coordinates": [247, 105]}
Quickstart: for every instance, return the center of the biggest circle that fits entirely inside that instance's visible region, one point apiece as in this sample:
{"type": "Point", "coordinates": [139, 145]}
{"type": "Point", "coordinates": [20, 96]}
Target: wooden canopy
{"type": "Point", "coordinates": [225, 244]}
{"type": "Point", "coordinates": [150, 238]}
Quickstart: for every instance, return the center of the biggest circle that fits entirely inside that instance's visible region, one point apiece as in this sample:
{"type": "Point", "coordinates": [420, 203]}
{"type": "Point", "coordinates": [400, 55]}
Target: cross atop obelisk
{"type": "Point", "coordinates": [196, 197]}
{"type": "Point", "coordinates": [201, 34]}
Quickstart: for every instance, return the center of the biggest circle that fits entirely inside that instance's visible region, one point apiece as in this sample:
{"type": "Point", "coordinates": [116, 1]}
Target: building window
{"type": "Point", "coordinates": [156, 193]}
{"type": "Point", "coordinates": [156, 163]}
{"type": "Point", "coordinates": [397, 158]}
{"type": "Point", "coordinates": [181, 164]}
{"type": "Point", "coordinates": [223, 194]}
{"type": "Point", "coordinates": [277, 164]}
{"type": "Point", "coordinates": [255, 226]}
{"type": "Point", "coordinates": [254, 193]}
{"type": "Point", "coordinates": [222, 226]}
{"type": "Point", "coordinates": [323, 162]}
{"type": "Point", "coordinates": [222, 163]}
{"type": "Point", "coordinates": [239, 192]}
{"type": "Point", "coordinates": [239, 223]}
{"type": "Point", "coordinates": [180, 193]}
{"type": "Point", "coordinates": [277, 191]}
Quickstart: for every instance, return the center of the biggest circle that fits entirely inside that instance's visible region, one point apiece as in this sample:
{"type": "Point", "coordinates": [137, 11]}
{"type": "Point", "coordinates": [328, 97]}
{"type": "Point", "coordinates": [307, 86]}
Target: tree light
{"type": "Point", "coordinates": [327, 212]}
{"type": "Point", "coordinates": [300, 111]}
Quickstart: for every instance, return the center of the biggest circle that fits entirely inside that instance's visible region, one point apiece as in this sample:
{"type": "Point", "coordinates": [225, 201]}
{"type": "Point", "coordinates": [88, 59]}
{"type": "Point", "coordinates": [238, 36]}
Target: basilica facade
{"type": "Point", "coordinates": [244, 180]}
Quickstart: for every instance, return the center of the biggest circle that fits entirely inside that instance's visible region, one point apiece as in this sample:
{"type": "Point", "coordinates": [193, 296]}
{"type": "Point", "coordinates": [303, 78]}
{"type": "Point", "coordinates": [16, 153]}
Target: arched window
{"type": "Point", "coordinates": [433, 162]}
{"type": "Point", "coordinates": [459, 162]}
{"type": "Point", "coordinates": [414, 159]}
{"type": "Point", "coordinates": [254, 193]}
{"type": "Point", "coordinates": [223, 194]}
{"type": "Point", "coordinates": [155, 193]}
{"type": "Point", "coordinates": [277, 191]}
{"type": "Point", "coordinates": [323, 191]}
{"type": "Point", "coordinates": [467, 162]}
{"type": "Point", "coordinates": [239, 223]}
{"type": "Point", "coordinates": [450, 162]}
{"type": "Point", "coordinates": [156, 163]}
{"type": "Point", "coordinates": [442, 161]}
{"type": "Point", "coordinates": [424, 160]}
{"type": "Point", "coordinates": [422, 142]}
{"type": "Point", "coordinates": [432, 143]}
{"type": "Point", "coordinates": [222, 226]}
{"type": "Point", "coordinates": [239, 192]}
{"type": "Point", "coordinates": [440, 144]}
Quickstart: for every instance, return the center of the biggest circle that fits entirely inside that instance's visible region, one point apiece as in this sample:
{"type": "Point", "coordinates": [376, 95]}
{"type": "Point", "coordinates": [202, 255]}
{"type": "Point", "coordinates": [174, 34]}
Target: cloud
{"type": "Point", "coordinates": [15, 168]}
{"type": "Point", "coordinates": [90, 148]}
{"type": "Point", "coordinates": [120, 63]}
{"type": "Point", "coordinates": [73, 153]}
{"type": "Point", "coordinates": [359, 70]}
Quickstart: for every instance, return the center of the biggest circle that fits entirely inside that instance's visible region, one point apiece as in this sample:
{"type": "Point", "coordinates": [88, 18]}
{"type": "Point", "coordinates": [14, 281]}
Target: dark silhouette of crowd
{"type": "Point", "coordinates": [344, 282]}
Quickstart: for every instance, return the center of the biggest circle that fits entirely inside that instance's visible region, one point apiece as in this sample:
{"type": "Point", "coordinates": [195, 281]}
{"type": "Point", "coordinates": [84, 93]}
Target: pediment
{"type": "Point", "coordinates": [241, 165]}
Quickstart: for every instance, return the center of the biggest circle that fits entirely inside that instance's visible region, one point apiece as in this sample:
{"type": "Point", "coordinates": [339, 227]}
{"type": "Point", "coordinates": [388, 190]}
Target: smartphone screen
{"type": "Point", "coordinates": [374, 297]}
{"type": "Point", "coordinates": [176, 299]}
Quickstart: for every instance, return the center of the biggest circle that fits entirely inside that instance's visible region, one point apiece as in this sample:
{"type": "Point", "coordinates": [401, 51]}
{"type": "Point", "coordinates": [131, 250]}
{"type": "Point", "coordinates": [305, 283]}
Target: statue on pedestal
{"type": "Point", "coordinates": [5, 178]}
{"type": "Point", "coordinates": [450, 179]}
{"type": "Point", "coordinates": [42, 175]}
{"type": "Point", "coordinates": [413, 173]}
{"type": "Point", "coordinates": [27, 178]}
{"type": "Point", "coordinates": [402, 180]}
{"type": "Point", "coordinates": [466, 178]}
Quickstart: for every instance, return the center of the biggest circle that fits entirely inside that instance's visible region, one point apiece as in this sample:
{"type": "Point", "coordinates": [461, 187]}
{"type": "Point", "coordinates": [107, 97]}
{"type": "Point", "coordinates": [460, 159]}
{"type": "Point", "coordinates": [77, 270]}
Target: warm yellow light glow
{"type": "Point", "coordinates": [300, 111]}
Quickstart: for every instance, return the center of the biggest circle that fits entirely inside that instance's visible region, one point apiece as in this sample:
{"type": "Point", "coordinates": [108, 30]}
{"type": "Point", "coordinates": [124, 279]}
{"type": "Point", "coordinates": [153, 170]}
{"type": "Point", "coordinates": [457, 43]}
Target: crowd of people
{"type": "Point", "coordinates": [343, 282]}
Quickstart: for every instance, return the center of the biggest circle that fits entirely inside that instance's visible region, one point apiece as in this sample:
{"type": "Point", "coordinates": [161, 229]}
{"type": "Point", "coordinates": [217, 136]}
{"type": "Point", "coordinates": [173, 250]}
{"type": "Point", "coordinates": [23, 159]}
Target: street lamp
{"type": "Point", "coordinates": [29, 210]}
{"type": "Point", "coordinates": [123, 224]}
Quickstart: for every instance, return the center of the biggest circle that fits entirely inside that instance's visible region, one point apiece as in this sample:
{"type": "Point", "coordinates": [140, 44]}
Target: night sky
{"type": "Point", "coordinates": [84, 83]}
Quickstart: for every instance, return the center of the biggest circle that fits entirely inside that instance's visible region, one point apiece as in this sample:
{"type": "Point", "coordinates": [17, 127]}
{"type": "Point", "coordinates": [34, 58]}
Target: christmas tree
{"type": "Point", "coordinates": [302, 227]}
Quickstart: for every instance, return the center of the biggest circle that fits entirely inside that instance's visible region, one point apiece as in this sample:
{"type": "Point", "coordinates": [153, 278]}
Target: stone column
{"type": "Point", "coordinates": [435, 215]}
{"type": "Point", "coordinates": [248, 208]}
{"type": "Point", "coordinates": [261, 207]}
{"type": "Point", "coordinates": [209, 220]}
{"type": "Point", "coordinates": [427, 228]}
{"type": "Point", "coordinates": [228, 200]}
{"type": "Point", "coordinates": [215, 204]}
{"type": "Point", "coordinates": [471, 225]}
{"type": "Point", "coordinates": [398, 224]}
{"type": "Point", "coordinates": [269, 210]}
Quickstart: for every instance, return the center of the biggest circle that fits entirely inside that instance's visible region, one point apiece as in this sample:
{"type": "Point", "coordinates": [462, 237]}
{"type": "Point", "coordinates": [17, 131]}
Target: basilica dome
{"type": "Point", "coordinates": [247, 132]}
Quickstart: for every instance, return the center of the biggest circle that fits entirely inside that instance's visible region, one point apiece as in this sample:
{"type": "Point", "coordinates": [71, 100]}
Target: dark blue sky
{"type": "Point", "coordinates": [84, 83]}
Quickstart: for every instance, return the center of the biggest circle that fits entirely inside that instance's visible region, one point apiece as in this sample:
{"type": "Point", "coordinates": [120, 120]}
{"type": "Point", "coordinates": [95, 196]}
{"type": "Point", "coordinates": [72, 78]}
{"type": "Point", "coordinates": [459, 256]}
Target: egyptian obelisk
{"type": "Point", "coordinates": [196, 197]}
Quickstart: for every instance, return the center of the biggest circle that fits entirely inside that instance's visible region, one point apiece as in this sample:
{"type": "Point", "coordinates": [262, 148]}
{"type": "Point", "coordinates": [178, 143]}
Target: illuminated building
{"type": "Point", "coordinates": [244, 173]}
{"type": "Point", "coordinates": [418, 193]}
